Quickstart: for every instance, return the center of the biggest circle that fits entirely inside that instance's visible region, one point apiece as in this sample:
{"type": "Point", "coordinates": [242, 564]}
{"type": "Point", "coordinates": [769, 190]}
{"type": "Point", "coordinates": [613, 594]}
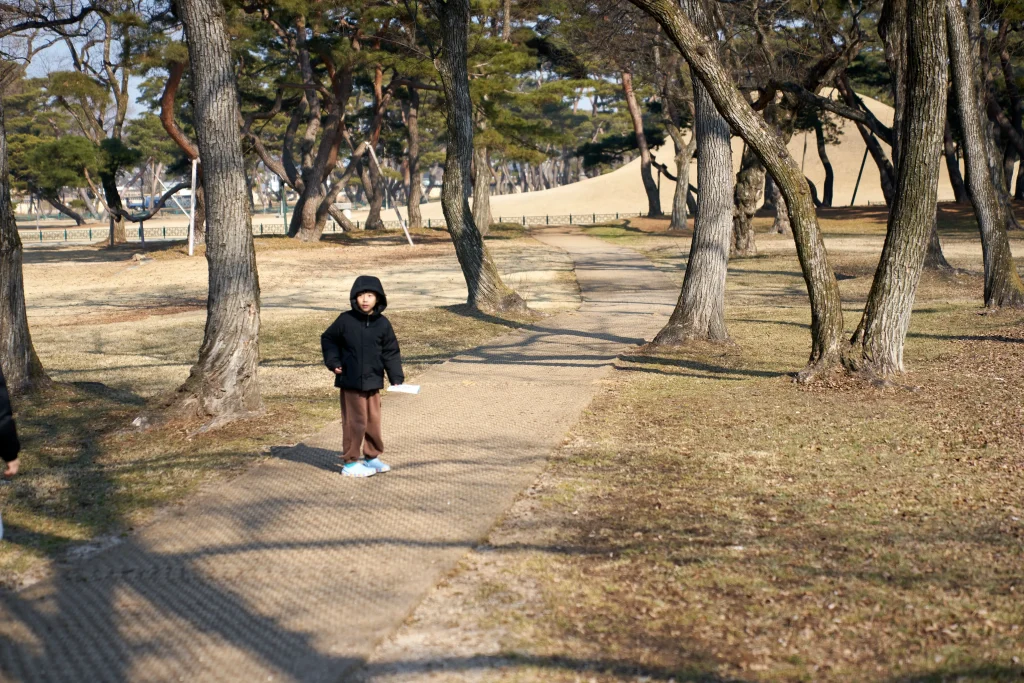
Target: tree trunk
{"type": "Point", "coordinates": [956, 179]}
{"type": "Point", "coordinates": [934, 259]}
{"type": "Point", "coordinates": [55, 201]}
{"type": "Point", "coordinates": [118, 231]}
{"type": "Point", "coordinates": [223, 384]}
{"type": "Point", "coordinates": [826, 311]}
{"type": "Point", "coordinates": [310, 216]}
{"type": "Point", "coordinates": [486, 289]}
{"type": "Point", "coordinates": [481, 190]}
{"type": "Point", "coordinates": [819, 137]}
{"type": "Point", "coordinates": [782, 224]}
{"type": "Point", "coordinates": [21, 366]}
{"type": "Point", "coordinates": [680, 207]}
{"type": "Point", "coordinates": [747, 193]}
{"type": "Point", "coordinates": [650, 187]}
{"type": "Point", "coordinates": [373, 187]}
{"type": "Point", "coordinates": [1003, 285]}
{"type": "Point", "coordinates": [412, 124]}
{"type": "Point", "coordinates": [200, 200]}
{"type": "Point", "coordinates": [90, 208]}
{"type": "Point", "coordinates": [771, 193]}
{"type": "Point", "coordinates": [916, 44]}
{"type": "Point", "coordinates": [700, 312]}
{"type": "Point", "coordinates": [154, 181]}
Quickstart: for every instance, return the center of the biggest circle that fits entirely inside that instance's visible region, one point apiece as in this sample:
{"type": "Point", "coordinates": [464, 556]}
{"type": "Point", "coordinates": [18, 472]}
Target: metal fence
{"type": "Point", "coordinates": [159, 233]}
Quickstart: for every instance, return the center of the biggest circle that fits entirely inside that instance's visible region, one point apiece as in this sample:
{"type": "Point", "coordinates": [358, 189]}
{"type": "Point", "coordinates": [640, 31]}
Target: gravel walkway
{"type": "Point", "coordinates": [291, 573]}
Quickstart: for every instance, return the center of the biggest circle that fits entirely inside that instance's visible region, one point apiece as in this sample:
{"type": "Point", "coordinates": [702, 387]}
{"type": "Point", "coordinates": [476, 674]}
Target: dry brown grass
{"type": "Point", "coordinates": [709, 520]}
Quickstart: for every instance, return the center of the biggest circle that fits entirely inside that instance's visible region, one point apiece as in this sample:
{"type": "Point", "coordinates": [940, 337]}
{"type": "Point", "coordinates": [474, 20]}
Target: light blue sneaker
{"type": "Point", "coordinates": [377, 465]}
{"type": "Point", "coordinates": [357, 469]}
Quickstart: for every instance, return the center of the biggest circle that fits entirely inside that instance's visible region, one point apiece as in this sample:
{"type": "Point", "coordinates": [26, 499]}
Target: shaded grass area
{"type": "Point", "coordinates": [87, 474]}
{"type": "Point", "coordinates": [712, 516]}
{"type": "Point", "coordinates": [709, 520]}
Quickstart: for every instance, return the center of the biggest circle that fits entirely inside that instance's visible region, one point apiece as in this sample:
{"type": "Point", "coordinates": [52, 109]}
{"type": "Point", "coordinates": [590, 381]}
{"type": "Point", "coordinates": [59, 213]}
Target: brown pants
{"type": "Point", "coordinates": [360, 420]}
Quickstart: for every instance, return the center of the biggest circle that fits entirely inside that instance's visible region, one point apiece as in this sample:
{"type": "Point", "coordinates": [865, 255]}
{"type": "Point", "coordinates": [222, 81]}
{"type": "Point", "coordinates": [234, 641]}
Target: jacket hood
{"type": "Point", "coordinates": [368, 283]}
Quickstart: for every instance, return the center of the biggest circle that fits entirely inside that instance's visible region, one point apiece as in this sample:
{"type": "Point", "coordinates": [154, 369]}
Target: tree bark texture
{"type": "Point", "coordinates": [481, 190]}
{"type": "Point", "coordinates": [782, 224]}
{"type": "Point", "coordinates": [21, 366]}
{"type": "Point", "coordinates": [823, 290]}
{"type": "Point", "coordinates": [919, 50]}
{"type": "Point", "coordinates": [934, 259]}
{"type": "Point", "coordinates": [223, 384]}
{"type": "Point", "coordinates": [680, 207]}
{"type": "Point", "coordinates": [746, 195]}
{"type": "Point", "coordinates": [700, 312]}
{"type": "Point", "coordinates": [374, 189]}
{"type": "Point", "coordinates": [1003, 286]}
{"type": "Point", "coordinates": [486, 289]}
{"type": "Point", "coordinates": [650, 187]}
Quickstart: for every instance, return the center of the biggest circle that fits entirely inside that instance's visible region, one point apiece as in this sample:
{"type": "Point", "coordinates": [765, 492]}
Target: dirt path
{"type": "Point", "coordinates": [292, 573]}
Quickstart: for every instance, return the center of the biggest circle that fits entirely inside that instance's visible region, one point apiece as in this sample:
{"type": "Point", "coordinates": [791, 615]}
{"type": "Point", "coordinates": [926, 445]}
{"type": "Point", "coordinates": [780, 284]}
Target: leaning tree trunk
{"type": "Point", "coordinates": [481, 190]}
{"type": "Point", "coordinates": [749, 185]}
{"type": "Point", "coordinates": [1003, 285]}
{"type": "Point", "coordinates": [650, 187]}
{"type": "Point", "coordinates": [83, 194]}
{"type": "Point", "coordinates": [223, 384]}
{"type": "Point", "coordinates": [830, 176]}
{"type": "Point", "coordinates": [486, 289]}
{"type": "Point", "coordinates": [699, 51]}
{"type": "Point", "coordinates": [956, 179]}
{"type": "Point", "coordinates": [65, 209]}
{"type": "Point", "coordinates": [914, 35]}
{"type": "Point", "coordinates": [680, 208]}
{"type": "Point", "coordinates": [21, 366]}
{"type": "Point", "coordinates": [700, 312]}
{"type": "Point", "coordinates": [412, 125]}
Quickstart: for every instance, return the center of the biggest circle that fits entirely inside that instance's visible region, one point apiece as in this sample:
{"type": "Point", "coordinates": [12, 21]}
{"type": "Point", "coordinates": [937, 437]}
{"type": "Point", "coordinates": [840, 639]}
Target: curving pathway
{"type": "Point", "coordinates": [291, 573]}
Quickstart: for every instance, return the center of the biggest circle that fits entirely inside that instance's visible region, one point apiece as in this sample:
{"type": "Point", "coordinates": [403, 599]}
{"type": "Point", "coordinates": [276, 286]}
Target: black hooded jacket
{"type": "Point", "coordinates": [9, 445]}
{"type": "Point", "coordinates": [363, 345]}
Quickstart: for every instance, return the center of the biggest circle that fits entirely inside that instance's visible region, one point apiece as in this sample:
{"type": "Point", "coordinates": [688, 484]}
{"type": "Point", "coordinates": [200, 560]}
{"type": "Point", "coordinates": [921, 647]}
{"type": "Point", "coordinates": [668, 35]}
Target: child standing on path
{"type": "Point", "coordinates": [359, 347]}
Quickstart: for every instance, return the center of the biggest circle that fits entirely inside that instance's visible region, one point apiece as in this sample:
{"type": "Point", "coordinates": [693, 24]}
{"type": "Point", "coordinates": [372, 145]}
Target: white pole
{"type": "Point", "coordinates": [394, 204]}
{"type": "Point", "coordinates": [174, 198]}
{"type": "Point", "coordinates": [192, 212]}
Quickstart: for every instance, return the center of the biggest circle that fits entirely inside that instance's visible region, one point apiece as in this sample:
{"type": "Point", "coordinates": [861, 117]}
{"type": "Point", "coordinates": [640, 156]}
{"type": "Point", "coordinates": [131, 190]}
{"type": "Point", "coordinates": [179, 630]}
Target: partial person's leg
{"type": "Point", "coordinates": [374, 434]}
{"type": "Point", "coordinates": [353, 424]}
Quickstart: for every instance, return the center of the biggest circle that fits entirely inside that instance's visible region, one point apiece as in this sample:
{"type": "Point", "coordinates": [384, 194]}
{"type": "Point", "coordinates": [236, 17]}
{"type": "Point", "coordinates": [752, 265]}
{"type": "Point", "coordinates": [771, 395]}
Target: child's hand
{"type": "Point", "coordinates": [337, 371]}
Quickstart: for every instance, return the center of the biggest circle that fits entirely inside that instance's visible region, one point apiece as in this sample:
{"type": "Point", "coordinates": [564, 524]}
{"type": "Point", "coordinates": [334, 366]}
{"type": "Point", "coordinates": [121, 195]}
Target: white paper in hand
{"type": "Point", "coordinates": [405, 388]}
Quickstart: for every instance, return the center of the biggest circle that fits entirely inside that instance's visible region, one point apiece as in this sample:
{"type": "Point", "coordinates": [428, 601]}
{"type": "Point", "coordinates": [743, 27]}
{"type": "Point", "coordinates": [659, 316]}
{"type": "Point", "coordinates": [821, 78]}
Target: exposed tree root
{"type": "Point", "coordinates": [683, 336]}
